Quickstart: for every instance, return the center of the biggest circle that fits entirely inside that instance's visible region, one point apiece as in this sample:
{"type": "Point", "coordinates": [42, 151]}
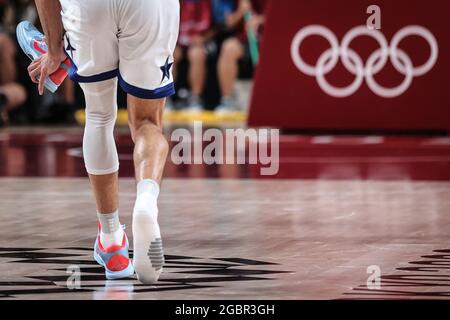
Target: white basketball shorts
{"type": "Point", "coordinates": [130, 39]}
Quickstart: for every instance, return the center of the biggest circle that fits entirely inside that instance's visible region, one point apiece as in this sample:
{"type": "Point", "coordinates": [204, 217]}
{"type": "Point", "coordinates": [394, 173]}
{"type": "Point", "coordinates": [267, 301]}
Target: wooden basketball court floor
{"type": "Point", "coordinates": [230, 238]}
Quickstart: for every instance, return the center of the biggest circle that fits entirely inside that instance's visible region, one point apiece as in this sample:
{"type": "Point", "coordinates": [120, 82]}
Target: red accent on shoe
{"type": "Point", "coordinates": [36, 46]}
{"type": "Point", "coordinates": [117, 263]}
{"type": "Point", "coordinates": [59, 75]}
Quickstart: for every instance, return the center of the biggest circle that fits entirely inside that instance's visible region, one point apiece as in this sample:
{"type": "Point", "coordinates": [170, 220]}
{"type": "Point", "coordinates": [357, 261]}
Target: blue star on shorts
{"type": "Point", "coordinates": [166, 70]}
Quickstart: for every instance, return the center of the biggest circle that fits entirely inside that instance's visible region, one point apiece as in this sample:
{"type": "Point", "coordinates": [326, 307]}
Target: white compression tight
{"type": "Point", "coordinates": [99, 147]}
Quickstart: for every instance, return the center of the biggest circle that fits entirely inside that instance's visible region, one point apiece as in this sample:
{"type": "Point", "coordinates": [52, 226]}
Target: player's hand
{"type": "Point", "coordinates": [44, 66]}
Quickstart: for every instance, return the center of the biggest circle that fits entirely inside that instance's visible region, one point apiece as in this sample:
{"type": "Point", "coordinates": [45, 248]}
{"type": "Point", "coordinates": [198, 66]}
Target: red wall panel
{"type": "Point", "coordinates": [290, 96]}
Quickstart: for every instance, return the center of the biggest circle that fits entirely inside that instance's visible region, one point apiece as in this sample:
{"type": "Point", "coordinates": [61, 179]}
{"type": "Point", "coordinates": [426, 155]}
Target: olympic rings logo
{"type": "Point", "coordinates": [354, 64]}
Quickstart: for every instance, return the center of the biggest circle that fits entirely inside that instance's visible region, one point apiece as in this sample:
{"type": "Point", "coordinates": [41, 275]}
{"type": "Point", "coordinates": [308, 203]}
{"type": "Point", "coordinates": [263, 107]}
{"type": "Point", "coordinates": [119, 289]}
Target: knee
{"type": "Point", "coordinates": [101, 103]}
{"type": "Point", "coordinates": [139, 121]}
{"type": "Point", "coordinates": [145, 112]}
{"type": "Point", "coordinates": [100, 117]}
{"type": "Point", "coordinates": [197, 54]}
{"type": "Point", "coordinates": [231, 50]}
{"type": "Point", "coordinates": [145, 121]}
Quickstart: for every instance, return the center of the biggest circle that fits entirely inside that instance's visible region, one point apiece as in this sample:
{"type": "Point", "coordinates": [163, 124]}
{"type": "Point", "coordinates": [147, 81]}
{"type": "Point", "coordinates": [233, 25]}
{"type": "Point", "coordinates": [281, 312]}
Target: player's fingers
{"type": "Point", "coordinates": [34, 64]}
{"type": "Point", "coordinates": [34, 75]}
{"type": "Point", "coordinates": [42, 80]}
{"type": "Point", "coordinates": [32, 68]}
{"type": "Point", "coordinates": [38, 60]}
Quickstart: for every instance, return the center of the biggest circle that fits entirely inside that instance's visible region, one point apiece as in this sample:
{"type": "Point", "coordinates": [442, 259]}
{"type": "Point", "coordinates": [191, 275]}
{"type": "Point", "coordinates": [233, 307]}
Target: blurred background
{"type": "Point", "coordinates": [213, 68]}
{"type": "Point", "coordinates": [235, 68]}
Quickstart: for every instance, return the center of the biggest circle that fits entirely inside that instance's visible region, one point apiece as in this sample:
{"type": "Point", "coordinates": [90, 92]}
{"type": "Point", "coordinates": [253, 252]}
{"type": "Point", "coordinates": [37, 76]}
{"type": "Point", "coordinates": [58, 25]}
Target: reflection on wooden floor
{"type": "Point", "coordinates": [57, 152]}
{"type": "Point", "coordinates": [236, 239]}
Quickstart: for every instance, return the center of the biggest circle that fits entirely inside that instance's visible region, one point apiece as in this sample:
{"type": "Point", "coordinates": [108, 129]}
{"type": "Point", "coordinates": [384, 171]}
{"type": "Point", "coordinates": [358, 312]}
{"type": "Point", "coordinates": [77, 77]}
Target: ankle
{"type": "Point", "coordinates": [148, 187]}
{"type": "Point", "coordinates": [111, 232]}
{"type": "Point", "coordinates": [147, 198]}
{"type": "Point", "coordinates": [112, 239]}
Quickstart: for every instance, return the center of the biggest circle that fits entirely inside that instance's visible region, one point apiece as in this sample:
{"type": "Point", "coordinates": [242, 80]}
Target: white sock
{"type": "Point", "coordinates": [147, 197]}
{"type": "Point", "coordinates": [111, 231]}
{"type": "Point", "coordinates": [148, 258]}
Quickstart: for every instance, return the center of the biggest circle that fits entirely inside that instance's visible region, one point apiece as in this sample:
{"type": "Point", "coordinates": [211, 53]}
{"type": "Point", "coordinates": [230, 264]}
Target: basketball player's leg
{"type": "Point", "coordinates": [102, 164]}
{"type": "Point", "coordinates": [93, 50]}
{"type": "Point", "coordinates": [99, 148]}
{"type": "Point", "coordinates": [146, 45]}
{"type": "Point", "coordinates": [150, 154]}
{"type": "Point", "coordinates": [151, 147]}
{"type": "Point", "coordinates": [106, 189]}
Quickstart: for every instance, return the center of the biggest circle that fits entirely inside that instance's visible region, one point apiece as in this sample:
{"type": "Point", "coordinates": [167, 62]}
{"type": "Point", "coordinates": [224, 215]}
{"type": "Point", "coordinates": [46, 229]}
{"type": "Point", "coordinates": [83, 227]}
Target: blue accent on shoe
{"type": "Point", "coordinates": [26, 35]}
{"type": "Point", "coordinates": [158, 93]}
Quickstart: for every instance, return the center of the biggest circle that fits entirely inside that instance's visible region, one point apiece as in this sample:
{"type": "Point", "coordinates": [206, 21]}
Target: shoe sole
{"type": "Point", "coordinates": [149, 270]}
